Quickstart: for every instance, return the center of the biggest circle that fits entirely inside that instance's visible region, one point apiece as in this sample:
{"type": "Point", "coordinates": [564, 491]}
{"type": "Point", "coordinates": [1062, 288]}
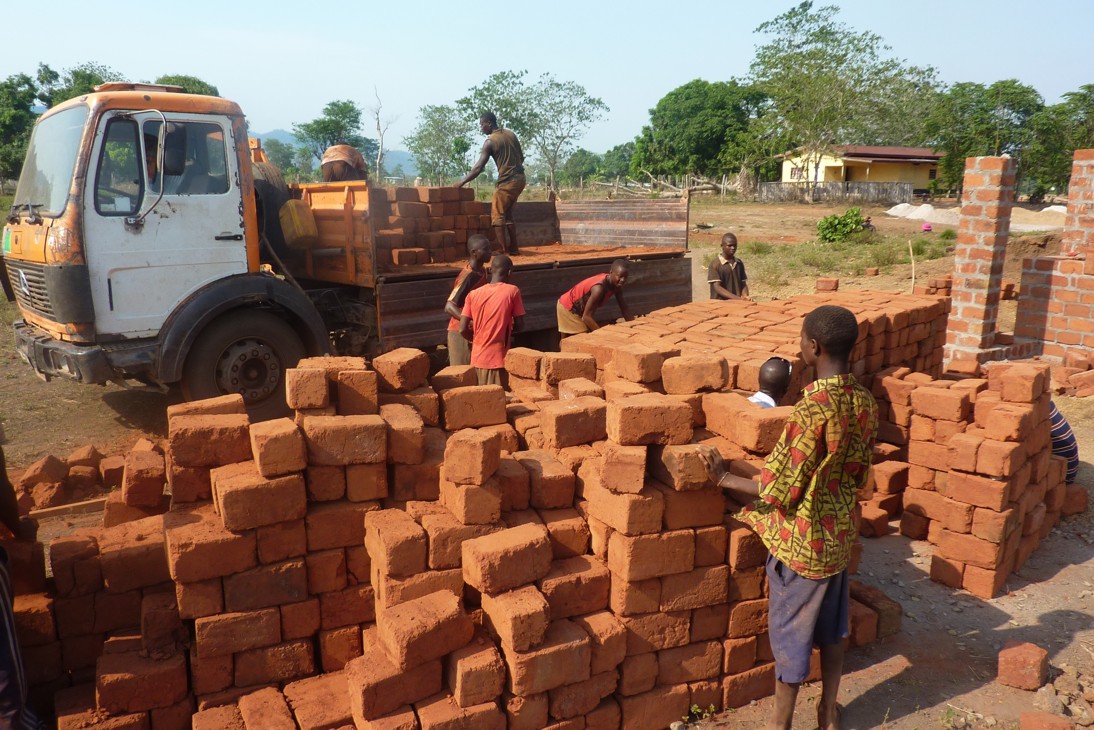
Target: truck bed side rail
{"type": "Point", "coordinates": [661, 223]}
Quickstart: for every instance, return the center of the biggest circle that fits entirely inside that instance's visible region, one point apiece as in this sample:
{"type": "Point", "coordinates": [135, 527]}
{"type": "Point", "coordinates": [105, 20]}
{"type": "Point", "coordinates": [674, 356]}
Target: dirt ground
{"type": "Point", "coordinates": [937, 672]}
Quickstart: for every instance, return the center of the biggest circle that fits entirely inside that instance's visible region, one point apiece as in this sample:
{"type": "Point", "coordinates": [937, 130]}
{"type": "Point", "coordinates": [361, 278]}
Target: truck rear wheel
{"type": "Point", "coordinates": [247, 353]}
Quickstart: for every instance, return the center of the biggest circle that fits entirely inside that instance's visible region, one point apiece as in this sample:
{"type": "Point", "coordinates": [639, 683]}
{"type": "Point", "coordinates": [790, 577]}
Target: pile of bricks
{"type": "Point", "coordinates": [970, 464]}
{"type": "Point", "coordinates": [409, 549]}
{"type": "Point", "coordinates": [941, 286]}
{"type": "Point", "coordinates": [426, 225]}
{"type": "Point", "coordinates": [52, 482]}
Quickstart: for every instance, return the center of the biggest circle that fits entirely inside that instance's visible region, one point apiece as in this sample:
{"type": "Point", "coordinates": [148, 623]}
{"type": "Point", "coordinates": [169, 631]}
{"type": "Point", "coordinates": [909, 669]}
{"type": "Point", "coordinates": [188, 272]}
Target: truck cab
{"type": "Point", "coordinates": [132, 248]}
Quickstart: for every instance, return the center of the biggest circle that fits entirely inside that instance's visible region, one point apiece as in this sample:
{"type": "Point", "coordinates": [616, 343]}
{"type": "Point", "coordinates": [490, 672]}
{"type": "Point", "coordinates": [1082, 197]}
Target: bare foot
{"type": "Point", "coordinates": [829, 723]}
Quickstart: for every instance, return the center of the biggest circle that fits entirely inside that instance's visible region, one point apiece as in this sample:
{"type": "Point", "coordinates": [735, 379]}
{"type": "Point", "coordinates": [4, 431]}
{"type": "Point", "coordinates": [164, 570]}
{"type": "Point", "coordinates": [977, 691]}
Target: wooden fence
{"type": "Point", "coordinates": [843, 192]}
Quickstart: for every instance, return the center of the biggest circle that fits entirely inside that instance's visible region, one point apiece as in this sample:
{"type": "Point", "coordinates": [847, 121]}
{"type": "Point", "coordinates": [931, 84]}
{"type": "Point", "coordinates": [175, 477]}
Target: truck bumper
{"type": "Point", "coordinates": [52, 357]}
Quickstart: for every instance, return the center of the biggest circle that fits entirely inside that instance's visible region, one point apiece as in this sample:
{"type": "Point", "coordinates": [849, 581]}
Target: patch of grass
{"type": "Point", "coordinates": [758, 248]}
{"type": "Point", "coordinates": [769, 272]}
{"type": "Point", "coordinates": [948, 234]}
{"type": "Point", "coordinates": [885, 254]}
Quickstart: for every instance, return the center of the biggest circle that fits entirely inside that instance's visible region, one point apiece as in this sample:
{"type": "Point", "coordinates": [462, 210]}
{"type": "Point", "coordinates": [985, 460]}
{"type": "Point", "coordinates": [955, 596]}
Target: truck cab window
{"type": "Point", "coordinates": [194, 157]}
{"type": "Point", "coordinates": [118, 179]}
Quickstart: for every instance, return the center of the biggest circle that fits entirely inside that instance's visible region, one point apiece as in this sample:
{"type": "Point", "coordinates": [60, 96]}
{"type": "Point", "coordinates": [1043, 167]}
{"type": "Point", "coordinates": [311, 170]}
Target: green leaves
{"type": "Point", "coordinates": [189, 84]}
{"type": "Point", "coordinates": [440, 143]}
{"type": "Point", "coordinates": [339, 124]}
{"type": "Point", "coordinates": [835, 228]}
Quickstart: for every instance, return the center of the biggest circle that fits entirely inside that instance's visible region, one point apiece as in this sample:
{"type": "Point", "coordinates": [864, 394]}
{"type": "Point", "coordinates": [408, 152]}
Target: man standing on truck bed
{"type": "Point", "coordinates": [490, 317]}
{"type": "Point", "coordinates": [471, 276]}
{"type": "Point", "coordinates": [504, 147]}
{"type": "Point", "coordinates": [576, 308]}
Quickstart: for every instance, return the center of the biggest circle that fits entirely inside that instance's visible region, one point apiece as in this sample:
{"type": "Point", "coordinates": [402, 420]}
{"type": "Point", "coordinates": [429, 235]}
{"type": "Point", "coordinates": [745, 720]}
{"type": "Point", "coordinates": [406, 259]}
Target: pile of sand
{"type": "Point", "coordinates": [1021, 219]}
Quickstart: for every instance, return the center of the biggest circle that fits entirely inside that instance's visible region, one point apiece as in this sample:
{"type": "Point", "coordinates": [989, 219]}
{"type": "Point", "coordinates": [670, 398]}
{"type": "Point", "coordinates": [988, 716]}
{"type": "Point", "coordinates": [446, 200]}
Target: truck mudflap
{"type": "Point", "coordinates": [51, 357]}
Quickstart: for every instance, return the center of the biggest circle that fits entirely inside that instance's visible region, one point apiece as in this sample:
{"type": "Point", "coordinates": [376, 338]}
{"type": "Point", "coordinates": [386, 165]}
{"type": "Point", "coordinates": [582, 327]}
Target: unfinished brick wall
{"type": "Point", "coordinates": [1079, 225]}
{"type": "Point", "coordinates": [986, 202]}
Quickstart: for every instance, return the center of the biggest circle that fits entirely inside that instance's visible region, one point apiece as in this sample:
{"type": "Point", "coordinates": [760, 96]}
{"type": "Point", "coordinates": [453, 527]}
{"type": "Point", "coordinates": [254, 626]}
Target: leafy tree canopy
{"type": "Point", "coordinates": [440, 143]}
{"type": "Point", "coordinates": [53, 88]}
{"type": "Point", "coordinates": [340, 123]}
{"type": "Point", "coordinates": [189, 84]}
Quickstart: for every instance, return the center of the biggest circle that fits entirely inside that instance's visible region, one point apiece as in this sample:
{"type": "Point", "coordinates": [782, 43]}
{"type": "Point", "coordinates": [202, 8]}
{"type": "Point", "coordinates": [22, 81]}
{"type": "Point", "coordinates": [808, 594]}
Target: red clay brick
{"type": "Point", "coordinates": [689, 663]}
{"type": "Point", "coordinates": [637, 363]}
{"type": "Point", "coordinates": [739, 654]}
{"type": "Point", "coordinates": [579, 388]}
{"type": "Point", "coordinates": [266, 708]}
{"type": "Point", "coordinates": [609, 640]}
{"type": "Point", "coordinates": [650, 556]}
{"type": "Point", "coordinates": [695, 589]}
{"type": "Point", "coordinates": [472, 504]}
{"type": "Point", "coordinates": [300, 620]}
{"type": "Point", "coordinates": [441, 711]}
{"type": "Point", "coordinates": [519, 618]}
{"type": "Point", "coordinates": [507, 559]}
{"type": "Point", "coordinates": [279, 663]}
{"type": "Point", "coordinates": [576, 586]}
{"type": "Point", "coordinates": [475, 673]}
{"type": "Point", "coordinates": [696, 373]}
{"type": "Point", "coordinates": [558, 366]}
{"type": "Point", "coordinates": [1037, 720]}
{"type": "Point", "coordinates": [746, 424]}
{"type": "Point", "coordinates": [453, 376]}
{"type": "Point", "coordinates": [564, 657]}
{"type": "Point", "coordinates": [681, 467]}
{"type": "Point", "coordinates": [631, 514]}
{"type": "Point", "coordinates": [568, 532]}
{"type": "Point", "coordinates": [339, 646]}
{"type": "Point", "coordinates": [405, 435]}
{"type": "Point", "coordinates": [748, 618]}
{"type": "Point", "coordinates": [551, 484]}
{"type": "Point", "coordinates": [655, 631]}
{"type": "Point", "coordinates": [132, 555]}
{"type": "Point", "coordinates": [1023, 665]}
{"type": "Point", "coordinates": [128, 682]}
{"type": "Point", "coordinates": [401, 370]}
{"type": "Point", "coordinates": [473, 406]}
{"type": "Point", "coordinates": [709, 622]}
{"type": "Point", "coordinates": [228, 633]}
{"type": "Point", "coordinates": [471, 456]}
{"type": "Point", "coordinates": [254, 501]}
{"type": "Point", "coordinates": [341, 440]}
{"type": "Point", "coordinates": [424, 400]}
{"type": "Point", "coordinates": [320, 702]}
{"type": "Point", "coordinates": [145, 475]}
{"type": "Point", "coordinates": [637, 674]}
{"type": "Point", "coordinates": [366, 482]}
{"type": "Point", "coordinates": [698, 508]}
{"type": "Point", "coordinates": [630, 598]}
{"type": "Point", "coordinates": [353, 605]}
{"type": "Point", "coordinates": [396, 543]}
{"type": "Point", "coordinates": [941, 403]}
{"type": "Point", "coordinates": [306, 388]}
{"type": "Point", "coordinates": [656, 709]}
{"type": "Point", "coordinates": [573, 422]}
{"type": "Point", "coordinates": [209, 441]}
{"type": "Point", "coordinates": [377, 687]}
{"type": "Point", "coordinates": [357, 392]}
{"type": "Point", "coordinates": [648, 419]}
{"type": "Point", "coordinates": [336, 524]}
{"type": "Point", "coordinates": [74, 560]}
{"type": "Point", "coordinates": [579, 698]}
{"type": "Point", "coordinates": [524, 362]}
{"type": "Point", "coordinates": [976, 490]}
{"type": "Point", "coordinates": [754, 684]}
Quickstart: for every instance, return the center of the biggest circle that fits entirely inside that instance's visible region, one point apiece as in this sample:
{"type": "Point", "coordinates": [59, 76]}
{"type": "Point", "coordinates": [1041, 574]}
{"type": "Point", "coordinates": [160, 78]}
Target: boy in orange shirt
{"type": "Point", "coordinates": [491, 314]}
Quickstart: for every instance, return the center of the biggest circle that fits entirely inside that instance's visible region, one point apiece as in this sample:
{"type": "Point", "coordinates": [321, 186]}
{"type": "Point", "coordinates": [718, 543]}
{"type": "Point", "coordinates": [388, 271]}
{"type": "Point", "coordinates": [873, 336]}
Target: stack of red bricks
{"type": "Point", "coordinates": [970, 463]}
{"type": "Point", "coordinates": [426, 225]}
{"type": "Point", "coordinates": [51, 482]}
{"type": "Point", "coordinates": [895, 329]}
{"type": "Point", "coordinates": [941, 286]}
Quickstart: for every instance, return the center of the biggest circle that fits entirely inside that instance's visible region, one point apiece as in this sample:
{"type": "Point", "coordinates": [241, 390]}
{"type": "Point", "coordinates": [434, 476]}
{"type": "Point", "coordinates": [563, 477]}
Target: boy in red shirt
{"type": "Point", "coordinates": [491, 314]}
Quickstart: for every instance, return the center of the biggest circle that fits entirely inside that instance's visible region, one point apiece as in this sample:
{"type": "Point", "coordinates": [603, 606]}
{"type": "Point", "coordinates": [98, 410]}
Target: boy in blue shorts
{"type": "Point", "coordinates": [802, 510]}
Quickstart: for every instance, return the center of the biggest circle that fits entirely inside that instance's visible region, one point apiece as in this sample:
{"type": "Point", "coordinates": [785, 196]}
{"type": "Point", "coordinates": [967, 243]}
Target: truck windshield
{"type": "Point", "coordinates": [51, 160]}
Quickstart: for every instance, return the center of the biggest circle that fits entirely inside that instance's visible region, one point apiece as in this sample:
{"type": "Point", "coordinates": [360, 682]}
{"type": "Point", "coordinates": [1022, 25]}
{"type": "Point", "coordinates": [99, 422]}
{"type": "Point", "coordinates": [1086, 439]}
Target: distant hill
{"type": "Point", "coordinates": [280, 135]}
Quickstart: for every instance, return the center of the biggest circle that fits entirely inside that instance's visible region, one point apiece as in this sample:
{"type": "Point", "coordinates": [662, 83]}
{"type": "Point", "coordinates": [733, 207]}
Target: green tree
{"type": "Point", "coordinates": [827, 81]}
{"type": "Point", "coordinates": [339, 124]}
{"type": "Point", "coordinates": [189, 84]}
{"type": "Point", "coordinates": [81, 79]}
{"type": "Point", "coordinates": [616, 162]}
{"type": "Point", "coordinates": [282, 155]}
{"type": "Point", "coordinates": [440, 143]}
{"type": "Point", "coordinates": [17, 97]}
{"type": "Point", "coordinates": [973, 120]}
{"type": "Point", "coordinates": [549, 116]}
{"type": "Point", "coordinates": [581, 165]}
{"type": "Point", "coordinates": [696, 129]}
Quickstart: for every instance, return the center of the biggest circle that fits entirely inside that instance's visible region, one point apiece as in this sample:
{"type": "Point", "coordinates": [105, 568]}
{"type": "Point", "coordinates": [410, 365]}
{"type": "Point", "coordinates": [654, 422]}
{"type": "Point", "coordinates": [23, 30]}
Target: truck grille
{"type": "Point", "coordinates": [29, 283]}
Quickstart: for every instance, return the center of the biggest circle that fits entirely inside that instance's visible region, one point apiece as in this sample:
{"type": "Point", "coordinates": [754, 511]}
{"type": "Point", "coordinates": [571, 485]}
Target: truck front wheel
{"type": "Point", "coordinates": [246, 353]}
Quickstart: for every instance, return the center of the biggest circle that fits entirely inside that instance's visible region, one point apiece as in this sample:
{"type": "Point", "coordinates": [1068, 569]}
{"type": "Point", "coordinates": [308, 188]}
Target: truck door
{"type": "Point", "coordinates": [147, 252]}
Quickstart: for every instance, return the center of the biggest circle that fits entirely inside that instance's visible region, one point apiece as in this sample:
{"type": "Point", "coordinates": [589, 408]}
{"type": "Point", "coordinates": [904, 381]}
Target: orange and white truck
{"type": "Point", "coordinates": [145, 247]}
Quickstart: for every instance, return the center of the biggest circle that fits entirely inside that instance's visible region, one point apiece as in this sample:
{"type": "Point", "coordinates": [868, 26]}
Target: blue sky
{"type": "Point", "coordinates": [283, 61]}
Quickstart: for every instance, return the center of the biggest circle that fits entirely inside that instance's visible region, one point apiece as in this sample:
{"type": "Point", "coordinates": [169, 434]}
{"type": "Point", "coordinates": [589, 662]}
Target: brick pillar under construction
{"type": "Point", "coordinates": [986, 203]}
{"type": "Point", "coordinates": [1078, 235]}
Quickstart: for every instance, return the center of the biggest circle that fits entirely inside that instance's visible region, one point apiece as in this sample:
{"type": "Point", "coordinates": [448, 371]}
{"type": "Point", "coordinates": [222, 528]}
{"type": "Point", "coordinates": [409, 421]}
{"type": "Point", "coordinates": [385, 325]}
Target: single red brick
{"type": "Point", "coordinates": [266, 708]}
{"type": "Point", "coordinates": [377, 687]}
{"type": "Point", "coordinates": [655, 631]}
{"type": "Point", "coordinates": [754, 684]}
{"type": "Point", "coordinates": [572, 422]}
{"type": "Point", "coordinates": [695, 589]}
{"type": "Point", "coordinates": [209, 441]}
{"type": "Point", "coordinates": [396, 544]}
{"type": "Point", "coordinates": [551, 483]}
{"type": "Point", "coordinates": [558, 366]}
{"type": "Point", "coordinates": [471, 456]}
{"type": "Point", "coordinates": [74, 560]}
{"type": "Point", "coordinates": [507, 559]}
{"type": "Point", "coordinates": [249, 501]}
{"type": "Point", "coordinates": [696, 373]}
{"type": "Point", "coordinates": [320, 702]}
{"type": "Point", "coordinates": [339, 646]}
{"type": "Point", "coordinates": [199, 547]}
{"type": "Point", "coordinates": [278, 447]}
{"type": "Point", "coordinates": [681, 467]}
{"type": "Point", "coordinates": [696, 508]}
{"type": "Point", "coordinates": [579, 388]}
{"type": "Point", "coordinates": [576, 586]}
{"type": "Point", "coordinates": [637, 674]}
{"type": "Point", "coordinates": [229, 633]}
{"type": "Point", "coordinates": [739, 654]}
{"type": "Point", "coordinates": [947, 572]}
{"type": "Point", "coordinates": [689, 663]}
{"type": "Point", "coordinates": [976, 490]}
{"type": "Point", "coordinates": [453, 376]}
{"type": "Point", "coordinates": [472, 504]}
{"type": "Point", "coordinates": [128, 682]}
{"type": "Point", "coordinates": [631, 514]}
{"type": "Point", "coordinates": [748, 618]}
{"type": "Point", "coordinates": [650, 556]}
{"type": "Point", "coordinates": [401, 370]}
{"type": "Point", "coordinates": [306, 388]}
{"type": "Point", "coordinates": [473, 406]}
{"type": "Point", "coordinates": [357, 392]}
{"type": "Point", "coordinates": [750, 426]}
{"type": "Point", "coordinates": [336, 524]}
{"type": "Point", "coordinates": [609, 640]}
{"type": "Point", "coordinates": [279, 663]}
{"type": "Point", "coordinates": [347, 607]}
{"type": "Point", "coordinates": [203, 598]}
{"type": "Point", "coordinates": [648, 419]}
{"type": "Point", "coordinates": [657, 708]}
{"type": "Point", "coordinates": [265, 586]}
{"type": "Point", "coordinates": [132, 555]}
{"type": "Point", "coordinates": [637, 363]}
{"type": "Point", "coordinates": [518, 618]}
{"type": "Point", "coordinates": [392, 591]}
{"type": "Point", "coordinates": [441, 710]}
{"type": "Point", "coordinates": [475, 673]}
{"type": "Point", "coordinates": [220, 405]}
{"type": "Point", "coordinates": [1023, 665]}
{"type": "Point", "coordinates": [300, 620]}
{"type": "Point", "coordinates": [564, 657]}
{"type": "Point", "coordinates": [145, 475]}
{"type": "Point", "coordinates": [341, 440]}
{"type": "Point", "coordinates": [568, 531]}
{"type": "Point", "coordinates": [524, 362]}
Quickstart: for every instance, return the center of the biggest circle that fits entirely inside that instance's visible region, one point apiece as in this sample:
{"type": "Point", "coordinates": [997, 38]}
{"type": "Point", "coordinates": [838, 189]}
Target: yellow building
{"type": "Point", "coordinates": [859, 163]}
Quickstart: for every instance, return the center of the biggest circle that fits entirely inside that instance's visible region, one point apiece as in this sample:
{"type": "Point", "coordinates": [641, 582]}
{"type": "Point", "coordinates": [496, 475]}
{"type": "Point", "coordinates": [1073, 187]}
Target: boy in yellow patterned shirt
{"type": "Point", "coordinates": [802, 510]}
